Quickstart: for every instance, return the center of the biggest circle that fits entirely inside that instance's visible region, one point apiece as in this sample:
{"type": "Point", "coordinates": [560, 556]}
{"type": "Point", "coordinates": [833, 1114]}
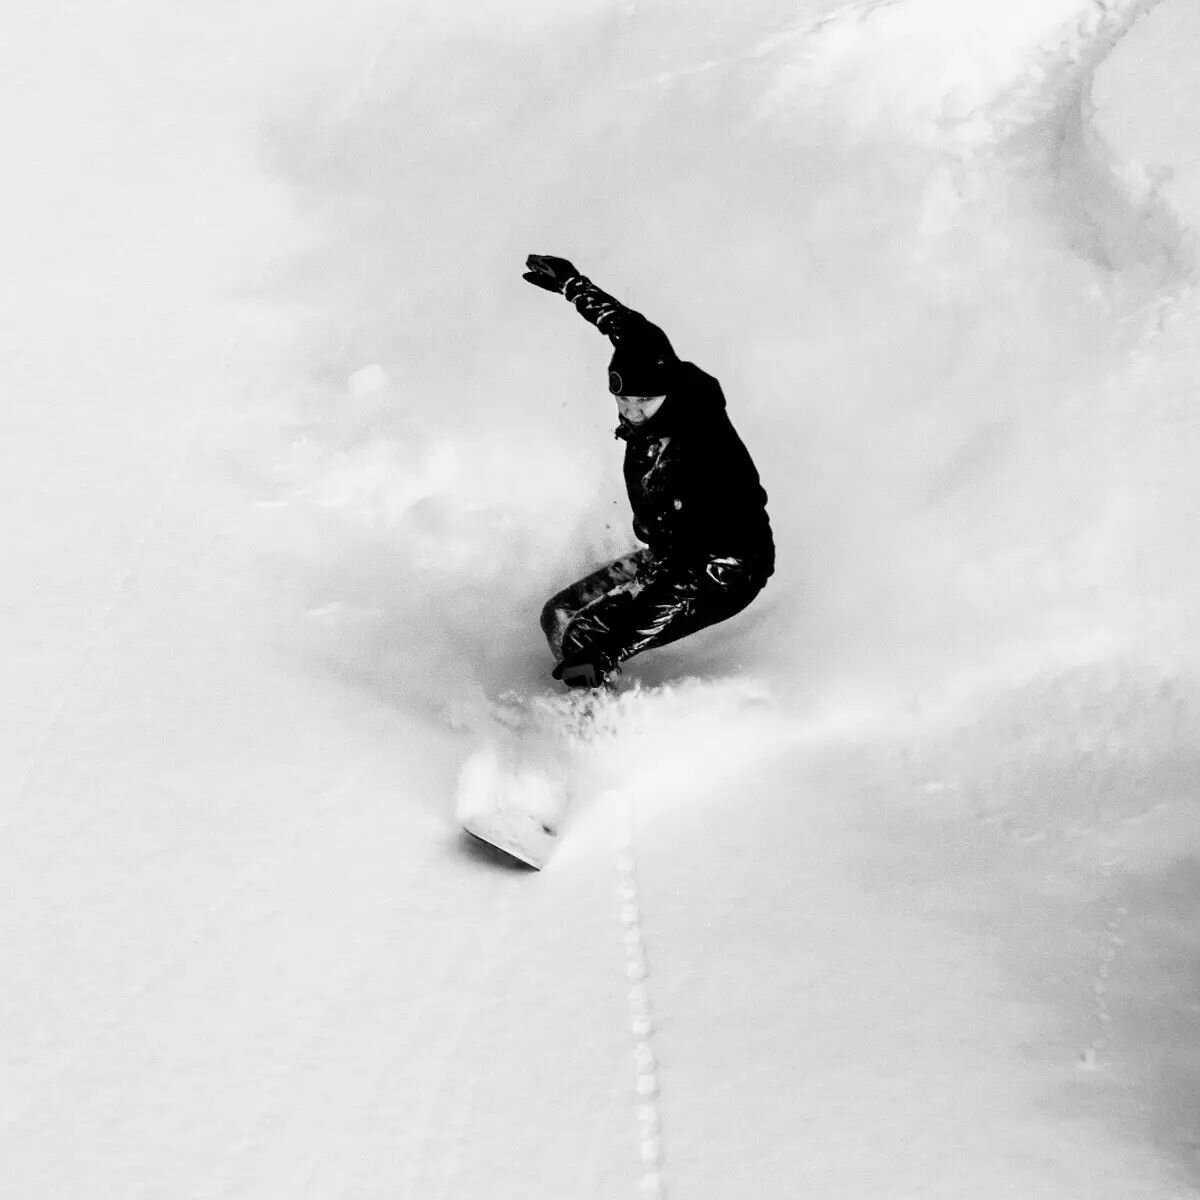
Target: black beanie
{"type": "Point", "coordinates": [642, 368]}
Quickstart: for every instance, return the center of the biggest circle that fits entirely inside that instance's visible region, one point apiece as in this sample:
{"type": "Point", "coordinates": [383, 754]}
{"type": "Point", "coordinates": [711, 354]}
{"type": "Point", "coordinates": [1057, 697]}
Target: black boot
{"type": "Point", "coordinates": [590, 671]}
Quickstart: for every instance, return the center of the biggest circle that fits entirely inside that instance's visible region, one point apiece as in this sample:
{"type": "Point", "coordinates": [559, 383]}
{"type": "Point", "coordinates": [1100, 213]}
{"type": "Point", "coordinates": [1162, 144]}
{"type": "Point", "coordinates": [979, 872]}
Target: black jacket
{"type": "Point", "coordinates": [693, 487]}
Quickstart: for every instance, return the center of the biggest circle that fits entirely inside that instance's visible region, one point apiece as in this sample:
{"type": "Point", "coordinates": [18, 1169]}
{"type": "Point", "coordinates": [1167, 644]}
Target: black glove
{"type": "Point", "coordinates": [546, 271]}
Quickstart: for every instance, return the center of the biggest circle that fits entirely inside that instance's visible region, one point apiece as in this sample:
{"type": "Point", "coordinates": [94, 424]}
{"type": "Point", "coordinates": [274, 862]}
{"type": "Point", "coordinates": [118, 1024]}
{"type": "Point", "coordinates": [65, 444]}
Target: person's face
{"type": "Point", "coordinates": [638, 409]}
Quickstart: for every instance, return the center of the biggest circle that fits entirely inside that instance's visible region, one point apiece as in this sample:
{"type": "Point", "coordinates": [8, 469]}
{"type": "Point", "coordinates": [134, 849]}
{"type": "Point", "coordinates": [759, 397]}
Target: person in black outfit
{"type": "Point", "coordinates": [698, 506]}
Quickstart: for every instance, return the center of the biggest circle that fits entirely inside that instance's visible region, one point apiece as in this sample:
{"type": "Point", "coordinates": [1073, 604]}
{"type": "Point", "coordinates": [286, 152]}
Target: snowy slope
{"type": "Point", "coordinates": [898, 901]}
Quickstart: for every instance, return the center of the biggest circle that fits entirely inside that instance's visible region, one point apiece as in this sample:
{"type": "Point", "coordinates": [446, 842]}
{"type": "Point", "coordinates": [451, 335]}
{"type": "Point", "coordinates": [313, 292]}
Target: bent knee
{"type": "Point", "coordinates": [554, 620]}
{"type": "Point", "coordinates": [551, 614]}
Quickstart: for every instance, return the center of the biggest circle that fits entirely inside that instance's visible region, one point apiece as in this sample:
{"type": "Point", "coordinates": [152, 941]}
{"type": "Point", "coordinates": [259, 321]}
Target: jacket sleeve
{"type": "Point", "coordinates": [621, 325]}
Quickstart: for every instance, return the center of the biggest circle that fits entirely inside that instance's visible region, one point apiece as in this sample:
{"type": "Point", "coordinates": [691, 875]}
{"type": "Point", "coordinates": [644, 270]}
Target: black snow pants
{"type": "Point", "coordinates": [641, 601]}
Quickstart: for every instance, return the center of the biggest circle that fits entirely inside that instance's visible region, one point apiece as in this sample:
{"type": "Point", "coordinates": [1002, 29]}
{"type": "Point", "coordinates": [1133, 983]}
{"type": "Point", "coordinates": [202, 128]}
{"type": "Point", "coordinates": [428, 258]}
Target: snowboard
{"type": "Point", "coordinates": [516, 807]}
{"type": "Point", "coordinates": [514, 789]}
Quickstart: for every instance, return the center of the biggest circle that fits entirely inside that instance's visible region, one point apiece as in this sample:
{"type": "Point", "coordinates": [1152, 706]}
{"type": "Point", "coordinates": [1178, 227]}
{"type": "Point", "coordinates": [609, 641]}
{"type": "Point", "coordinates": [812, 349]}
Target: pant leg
{"type": "Point", "coordinates": [564, 606]}
{"type": "Point", "coordinates": [668, 601]}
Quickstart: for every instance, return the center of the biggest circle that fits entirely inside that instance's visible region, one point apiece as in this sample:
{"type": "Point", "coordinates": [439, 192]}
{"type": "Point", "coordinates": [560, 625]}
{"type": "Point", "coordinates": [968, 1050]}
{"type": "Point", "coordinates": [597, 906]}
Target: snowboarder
{"type": "Point", "coordinates": [697, 503]}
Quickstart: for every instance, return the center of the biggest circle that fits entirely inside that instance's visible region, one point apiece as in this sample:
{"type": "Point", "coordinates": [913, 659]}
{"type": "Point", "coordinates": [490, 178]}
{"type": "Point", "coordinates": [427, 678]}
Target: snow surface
{"type": "Point", "coordinates": [887, 888]}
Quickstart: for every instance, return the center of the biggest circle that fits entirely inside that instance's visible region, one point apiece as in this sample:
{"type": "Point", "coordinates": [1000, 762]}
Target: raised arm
{"type": "Point", "coordinates": [626, 329]}
{"type": "Point", "coordinates": [608, 314]}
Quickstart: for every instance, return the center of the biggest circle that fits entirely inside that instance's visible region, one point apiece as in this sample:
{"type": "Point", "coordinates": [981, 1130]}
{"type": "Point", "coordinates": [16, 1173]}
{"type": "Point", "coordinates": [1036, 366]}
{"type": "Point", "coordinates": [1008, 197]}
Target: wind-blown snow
{"type": "Point", "coordinates": [923, 303]}
{"type": "Point", "coordinates": [294, 457]}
